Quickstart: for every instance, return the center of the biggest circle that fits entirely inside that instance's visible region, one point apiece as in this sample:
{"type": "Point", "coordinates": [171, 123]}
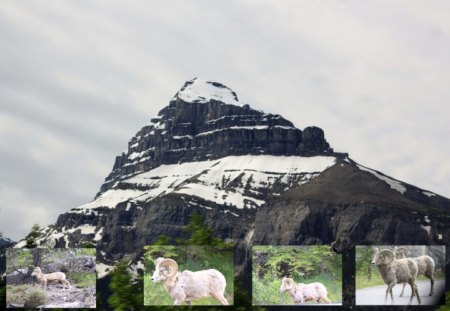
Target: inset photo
{"type": "Point", "coordinates": [296, 275]}
{"type": "Point", "coordinates": [50, 278]}
{"type": "Point", "coordinates": [400, 275]}
{"type": "Point", "coordinates": [188, 275]}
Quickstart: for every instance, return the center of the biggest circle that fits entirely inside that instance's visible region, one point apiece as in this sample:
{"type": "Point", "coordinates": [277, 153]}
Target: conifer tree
{"type": "Point", "coordinates": [32, 236]}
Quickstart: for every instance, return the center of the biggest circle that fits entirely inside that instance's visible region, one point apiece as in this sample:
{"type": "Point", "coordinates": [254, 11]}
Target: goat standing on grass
{"type": "Point", "coordinates": [301, 293]}
{"type": "Point", "coordinates": [395, 271]}
{"type": "Point", "coordinates": [425, 264]}
{"type": "Point", "coordinates": [187, 286]}
{"type": "Point", "coordinates": [44, 278]}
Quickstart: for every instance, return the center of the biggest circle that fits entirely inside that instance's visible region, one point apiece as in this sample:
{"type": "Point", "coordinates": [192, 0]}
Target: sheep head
{"type": "Point", "coordinates": [383, 257]}
{"type": "Point", "coordinates": [164, 268]}
{"type": "Point", "coordinates": [36, 271]}
{"type": "Point", "coordinates": [401, 252]}
{"type": "Point", "coordinates": [286, 284]}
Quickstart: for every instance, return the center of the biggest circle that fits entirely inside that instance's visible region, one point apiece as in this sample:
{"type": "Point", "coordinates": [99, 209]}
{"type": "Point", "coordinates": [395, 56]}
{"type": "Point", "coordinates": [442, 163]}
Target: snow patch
{"type": "Point", "coordinates": [394, 184]}
{"type": "Point", "coordinates": [103, 270]}
{"type": "Point", "coordinates": [238, 181]}
{"type": "Point", "coordinates": [98, 235]}
{"type": "Point", "coordinates": [429, 194]}
{"type": "Point", "coordinates": [20, 244]}
{"type": "Point", "coordinates": [426, 228]}
{"type": "Point", "coordinates": [254, 127]}
{"type": "Point", "coordinates": [203, 91]}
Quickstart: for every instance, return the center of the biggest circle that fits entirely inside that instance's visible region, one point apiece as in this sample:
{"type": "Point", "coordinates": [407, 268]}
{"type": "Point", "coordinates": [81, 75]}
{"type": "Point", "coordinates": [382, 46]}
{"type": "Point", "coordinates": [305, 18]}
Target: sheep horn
{"type": "Point", "coordinates": [171, 264]}
{"type": "Point", "coordinates": [389, 254]}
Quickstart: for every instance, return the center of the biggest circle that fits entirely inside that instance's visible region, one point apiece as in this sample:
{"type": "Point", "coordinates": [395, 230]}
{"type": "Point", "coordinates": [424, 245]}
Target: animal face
{"type": "Point", "coordinates": [36, 271]}
{"type": "Point", "coordinates": [160, 273]}
{"type": "Point", "coordinates": [286, 284]}
{"type": "Point", "coordinates": [383, 257]}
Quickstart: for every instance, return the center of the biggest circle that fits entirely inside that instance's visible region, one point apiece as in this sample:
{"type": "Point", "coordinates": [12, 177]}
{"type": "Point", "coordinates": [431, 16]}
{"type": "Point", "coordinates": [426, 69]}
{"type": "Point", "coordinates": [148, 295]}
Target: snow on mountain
{"type": "Point", "coordinates": [394, 184]}
{"type": "Point", "coordinates": [202, 91]}
{"type": "Point", "coordinates": [237, 181]}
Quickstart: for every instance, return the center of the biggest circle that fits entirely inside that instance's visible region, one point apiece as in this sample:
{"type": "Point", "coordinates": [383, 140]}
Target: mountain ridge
{"type": "Point", "coordinates": [248, 174]}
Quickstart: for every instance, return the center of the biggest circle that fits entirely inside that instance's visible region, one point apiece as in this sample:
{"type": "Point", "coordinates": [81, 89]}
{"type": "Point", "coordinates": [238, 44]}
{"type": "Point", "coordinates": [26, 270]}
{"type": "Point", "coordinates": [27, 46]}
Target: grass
{"type": "Point", "coordinates": [267, 292]}
{"type": "Point", "coordinates": [20, 294]}
{"type": "Point", "coordinates": [82, 279]}
{"type": "Point", "coordinates": [154, 293]}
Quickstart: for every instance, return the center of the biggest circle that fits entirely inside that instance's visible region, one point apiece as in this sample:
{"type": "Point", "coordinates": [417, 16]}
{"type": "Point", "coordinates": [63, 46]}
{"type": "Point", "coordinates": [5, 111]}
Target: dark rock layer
{"type": "Point", "coordinates": [185, 132]}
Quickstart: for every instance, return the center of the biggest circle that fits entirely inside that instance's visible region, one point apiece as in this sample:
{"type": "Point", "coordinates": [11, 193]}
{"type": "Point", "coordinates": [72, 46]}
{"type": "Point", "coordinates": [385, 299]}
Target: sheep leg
{"type": "Point", "coordinates": [403, 290]}
{"type": "Point", "coordinates": [220, 298]}
{"type": "Point", "coordinates": [430, 276]}
{"type": "Point", "coordinates": [414, 292]}
{"type": "Point", "coordinates": [389, 291]}
{"type": "Point", "coordinates": [417, 294]}
{"type": "Point", "coordinates": [325, 299]}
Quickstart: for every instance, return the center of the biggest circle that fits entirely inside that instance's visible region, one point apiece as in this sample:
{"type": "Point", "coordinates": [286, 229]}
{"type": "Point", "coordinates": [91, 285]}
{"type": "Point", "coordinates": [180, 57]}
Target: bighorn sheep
{"type": "Point", "coordinates": [187, 286]}
{"type": "Point", "coordinates": [425, 264]}
{"type": "Point", "coordinates": [395, 271]}
{"type": "Point", "coordinates": [44, 278]}
{"type": "Point", "coordinates": [301, 293]}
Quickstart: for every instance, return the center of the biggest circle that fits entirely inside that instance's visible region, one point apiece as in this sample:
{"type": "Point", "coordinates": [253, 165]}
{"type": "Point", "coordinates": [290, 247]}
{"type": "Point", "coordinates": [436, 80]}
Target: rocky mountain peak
{"type": "Point", "coordinates": [206, 121]}
{"type": "Point", "coordinates": [203, 91]}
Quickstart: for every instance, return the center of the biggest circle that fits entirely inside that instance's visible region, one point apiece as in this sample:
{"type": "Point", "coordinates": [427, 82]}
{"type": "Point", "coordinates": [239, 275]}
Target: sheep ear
{"type": "Point", "coordinates": [375, 249]}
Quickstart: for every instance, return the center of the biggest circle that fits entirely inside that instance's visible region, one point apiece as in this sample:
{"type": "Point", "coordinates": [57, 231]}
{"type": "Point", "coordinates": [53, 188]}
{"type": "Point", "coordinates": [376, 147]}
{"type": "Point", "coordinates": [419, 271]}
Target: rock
{"type": "Point", "coordinates": [208, 128]}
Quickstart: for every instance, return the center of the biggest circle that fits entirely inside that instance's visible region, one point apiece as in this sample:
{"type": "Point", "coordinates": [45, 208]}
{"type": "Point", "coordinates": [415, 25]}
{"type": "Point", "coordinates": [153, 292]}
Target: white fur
{"type": "Point", "coordinates": [394, 271]}
{"type": "Point", "coordinates": [425, 265]}
{"type": "Point", "coordinates": [187, 286]}
{"type": "Point", "coordinates": [301, 292]}
{"type": "Point", "coordinates": [44, 278]}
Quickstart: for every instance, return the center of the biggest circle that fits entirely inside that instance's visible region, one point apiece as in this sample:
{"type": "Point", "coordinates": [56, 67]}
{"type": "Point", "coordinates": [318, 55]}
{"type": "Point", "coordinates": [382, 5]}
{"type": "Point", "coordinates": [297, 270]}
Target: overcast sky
{"type": "Point", "coordinates": [79, 78]}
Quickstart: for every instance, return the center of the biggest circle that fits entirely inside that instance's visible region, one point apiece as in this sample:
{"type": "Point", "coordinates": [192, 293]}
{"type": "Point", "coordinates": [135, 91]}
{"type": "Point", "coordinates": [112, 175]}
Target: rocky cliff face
{"type": "Point", "coordinates": [200, 125]}
{"type": "Point", "coordinates": [349, 204]}
{"type": "Point", "coordinates": [253, 176]}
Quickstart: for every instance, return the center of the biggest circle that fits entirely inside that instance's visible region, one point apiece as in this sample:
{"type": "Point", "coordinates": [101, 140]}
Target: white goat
{"type": "Point", "coordinates": [301, 293]}
{"type": "Point", "coordinates": [44, 278]}
{"type": "Point", "coordinates": [425, 264]}
{"type": "Point", "coordinates": [187, 286]}
{"type": "Point", "coordinates": [395, 271]}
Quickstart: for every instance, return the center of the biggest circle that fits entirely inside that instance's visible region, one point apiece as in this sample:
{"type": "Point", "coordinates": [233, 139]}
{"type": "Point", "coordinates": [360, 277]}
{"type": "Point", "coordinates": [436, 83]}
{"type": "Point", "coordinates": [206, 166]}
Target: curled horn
{"type": "Point", "coordinates": [171, 264]}
{"type": "Point", "coordinates": [389, 254]}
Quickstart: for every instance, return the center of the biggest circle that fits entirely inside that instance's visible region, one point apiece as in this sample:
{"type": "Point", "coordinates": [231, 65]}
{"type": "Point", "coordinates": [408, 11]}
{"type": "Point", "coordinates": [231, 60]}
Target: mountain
{"type": "Point", "coordinates": [255, 178]}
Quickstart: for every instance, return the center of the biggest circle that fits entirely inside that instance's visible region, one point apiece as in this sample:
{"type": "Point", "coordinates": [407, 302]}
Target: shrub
{"type": "Point", "coordinates": [34, 298]}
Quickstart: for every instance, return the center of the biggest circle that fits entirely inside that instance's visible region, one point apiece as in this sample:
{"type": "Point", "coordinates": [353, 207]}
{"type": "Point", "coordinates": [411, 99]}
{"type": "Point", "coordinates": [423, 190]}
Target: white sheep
{"type": "Point", "coordinates": [54, 277]}
{"type": "Point", "coordinates": [301, 292]}
{"type": "Point", "coordinates": [395, 271]}
{"type": "Point", "coordinates": [187, 286]}
{"type": "Point", "coordinates": [425, 264]}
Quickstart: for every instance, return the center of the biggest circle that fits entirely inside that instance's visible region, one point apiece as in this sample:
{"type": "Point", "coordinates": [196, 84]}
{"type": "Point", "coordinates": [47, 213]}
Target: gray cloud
{"type": "Point", "coordinates": [78, 79]}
